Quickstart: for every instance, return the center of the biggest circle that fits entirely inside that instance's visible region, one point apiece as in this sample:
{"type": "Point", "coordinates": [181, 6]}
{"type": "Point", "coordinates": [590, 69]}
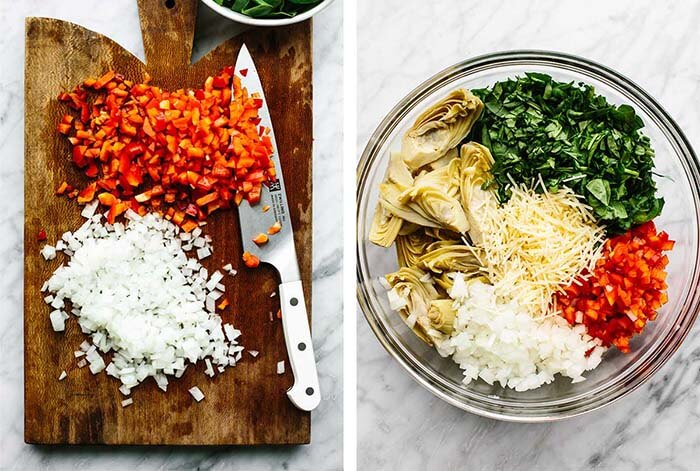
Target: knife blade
{"type": "Point", "coordinates": [280, 252]}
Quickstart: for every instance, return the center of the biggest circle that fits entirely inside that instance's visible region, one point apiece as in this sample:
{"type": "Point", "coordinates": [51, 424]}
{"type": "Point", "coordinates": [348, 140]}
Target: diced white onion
{"type": "Point", "coordinates": [138, 295]}
{"type": "Point", "coordinates": [89, 209]}
{"type": "Point", "coordinates": [58, 322]}
{"type": "Point", "coordinates": [203, 253]}
{"type": "Point", "coordinates": [231, 333]}
{"type": "Point", "coordinates": [48, 252]}
{"type": "Point", "coordinates": [97, 365]}
{"type": "Point", "coordinates": [500, 342]}
{"type": "Point", "coordinates": [209, 371]}
{"type": "Point", "coordinates": [196, 394]}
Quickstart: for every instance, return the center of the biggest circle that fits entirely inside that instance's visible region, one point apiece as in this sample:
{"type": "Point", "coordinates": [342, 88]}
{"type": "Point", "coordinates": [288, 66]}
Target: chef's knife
{"type": "Point", "coordinates": [280, 253]}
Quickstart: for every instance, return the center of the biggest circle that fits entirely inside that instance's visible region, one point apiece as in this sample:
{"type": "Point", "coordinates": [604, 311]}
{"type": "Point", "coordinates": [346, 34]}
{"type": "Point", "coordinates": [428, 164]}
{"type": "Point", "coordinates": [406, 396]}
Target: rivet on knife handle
{"type": "Point", "coordinates": [305, 393]}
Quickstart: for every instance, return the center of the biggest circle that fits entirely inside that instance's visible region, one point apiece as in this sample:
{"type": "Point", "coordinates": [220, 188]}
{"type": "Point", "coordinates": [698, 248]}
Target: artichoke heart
{"type": "Point", "coordinates": [385, 227]}
{"type": "Point", "coordinates": [445, 160]}
{"type": "Point", "coordinates": [476, 163]}
{"type": "Point", "coordinates": [414, 297]}
{"type": "Point", "coordinates": [442, 258]}
{"type": "Point", "coordinates": [442, 315]}
{"type": "Point", "coordinates": [445, 281]}
{"type": "Point", "coordinates": [397, 171]}
{"type": "Point", "coordinates": [436, 195]}
{"type": "Point", "coordinates": [390, 199]}
{"type": "Point", "coordinates": [437, 206]}
{"type": "Point", "coordinates": [448, 178]}
{"type": "Point", "coordinates": [409, 248]}
{"type": "Point", "coordinates": [440, 128]}
{"type": "Point", "coordinates": [439, 323]}
{"type": "Point", "coordinates": [443, 235]}
{"type": "Point", "coordinates": [409, 228]}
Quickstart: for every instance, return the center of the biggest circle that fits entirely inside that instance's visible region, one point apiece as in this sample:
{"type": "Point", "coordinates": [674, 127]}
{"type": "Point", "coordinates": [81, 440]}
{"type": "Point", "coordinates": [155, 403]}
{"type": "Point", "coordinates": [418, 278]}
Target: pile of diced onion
{"type": "Point", "coordinates": [500, 342]}
{"type": "Point", "coordinates": [135, 293]}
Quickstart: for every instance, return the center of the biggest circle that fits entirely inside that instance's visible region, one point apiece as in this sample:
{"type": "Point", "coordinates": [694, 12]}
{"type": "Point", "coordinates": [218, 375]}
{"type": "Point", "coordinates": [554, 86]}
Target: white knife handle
{"type": "Point", "coordinates": [305, 393]}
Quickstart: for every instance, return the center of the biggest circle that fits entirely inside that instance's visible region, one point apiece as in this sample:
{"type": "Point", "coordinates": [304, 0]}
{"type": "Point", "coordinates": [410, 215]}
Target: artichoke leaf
{"type": "Point", "coordinates": [385, 227]}
{"type": "Point", "coordinates": [440, 128]}
{"type": "Point", "coordinates": [407, 285]}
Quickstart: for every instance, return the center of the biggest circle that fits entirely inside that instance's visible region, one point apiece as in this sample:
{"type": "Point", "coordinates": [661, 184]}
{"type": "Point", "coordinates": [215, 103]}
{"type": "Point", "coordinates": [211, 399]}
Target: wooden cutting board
{"type": "Point", "coordinates": [246, 404]}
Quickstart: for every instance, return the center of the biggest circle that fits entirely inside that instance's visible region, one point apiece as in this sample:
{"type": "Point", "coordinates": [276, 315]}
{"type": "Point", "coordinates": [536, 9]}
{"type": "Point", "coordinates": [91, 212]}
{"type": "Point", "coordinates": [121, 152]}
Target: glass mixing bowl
{"type": "Point", "coordinates": [618, 374]}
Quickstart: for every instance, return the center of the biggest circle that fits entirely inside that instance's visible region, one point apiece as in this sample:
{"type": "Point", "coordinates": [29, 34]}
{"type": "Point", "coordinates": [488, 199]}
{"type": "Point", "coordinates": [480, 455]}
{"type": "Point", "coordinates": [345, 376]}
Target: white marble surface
{"type": "Point", "coordinates": [400, 44]}
{"type": "Point", "coordinates": [118, 19]}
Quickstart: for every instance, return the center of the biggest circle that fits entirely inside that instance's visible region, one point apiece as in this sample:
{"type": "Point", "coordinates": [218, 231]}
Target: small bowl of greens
{"type": "Point", "coordinates": [267, 12]}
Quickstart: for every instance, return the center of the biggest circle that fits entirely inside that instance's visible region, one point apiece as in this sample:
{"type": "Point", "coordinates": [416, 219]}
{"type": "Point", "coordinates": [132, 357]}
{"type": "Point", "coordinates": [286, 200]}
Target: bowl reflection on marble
{"type": "Point", "coordinates": [619, 373]}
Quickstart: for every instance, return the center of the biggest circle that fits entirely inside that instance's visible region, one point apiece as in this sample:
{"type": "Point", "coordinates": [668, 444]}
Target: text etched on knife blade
{"type": "Point", "coordinates": [278, 207]}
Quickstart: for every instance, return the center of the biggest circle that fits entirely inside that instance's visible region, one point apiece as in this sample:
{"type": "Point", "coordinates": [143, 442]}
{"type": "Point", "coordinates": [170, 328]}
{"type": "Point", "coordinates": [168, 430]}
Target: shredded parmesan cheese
{"type": "Point", "coordinates": [537, 243]}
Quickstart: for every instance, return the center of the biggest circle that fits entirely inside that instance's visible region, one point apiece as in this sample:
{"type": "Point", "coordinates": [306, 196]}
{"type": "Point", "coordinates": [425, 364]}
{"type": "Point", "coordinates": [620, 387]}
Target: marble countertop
{"type": "Point", "coordinates": [119, 20]}
{"type": "Point", "coordinates": [400, 44]}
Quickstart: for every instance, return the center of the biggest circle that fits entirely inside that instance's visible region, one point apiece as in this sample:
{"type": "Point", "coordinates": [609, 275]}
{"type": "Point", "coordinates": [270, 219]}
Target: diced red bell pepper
{"type": "Point", "coordinates": [148, 148]}
{"type": "Point", "coordinates": [626, 288]}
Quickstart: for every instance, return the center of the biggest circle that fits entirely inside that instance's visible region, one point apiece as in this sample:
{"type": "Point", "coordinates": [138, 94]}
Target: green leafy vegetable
{"type": "Point", "coordinates": [569, 136]}
{"type": "Point", "coordinates": [269, 8]}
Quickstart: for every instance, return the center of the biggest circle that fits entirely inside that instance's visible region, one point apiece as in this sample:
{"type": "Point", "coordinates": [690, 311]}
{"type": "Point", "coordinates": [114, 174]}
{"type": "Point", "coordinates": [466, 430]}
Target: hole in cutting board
{"type": "Point", "coordinates": [169, 3]}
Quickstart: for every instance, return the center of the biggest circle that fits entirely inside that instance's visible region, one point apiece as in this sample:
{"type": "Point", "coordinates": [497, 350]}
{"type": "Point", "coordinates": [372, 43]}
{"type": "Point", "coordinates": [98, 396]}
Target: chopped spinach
{"type": "Point", "coordinates": [570, 136]}
{"type": "Point", "coordinates": [269, 8]}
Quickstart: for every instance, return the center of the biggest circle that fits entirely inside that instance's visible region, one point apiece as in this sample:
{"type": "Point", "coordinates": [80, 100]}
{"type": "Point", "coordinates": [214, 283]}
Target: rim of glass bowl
{"type": "Point", "coordinates": [498, 408]}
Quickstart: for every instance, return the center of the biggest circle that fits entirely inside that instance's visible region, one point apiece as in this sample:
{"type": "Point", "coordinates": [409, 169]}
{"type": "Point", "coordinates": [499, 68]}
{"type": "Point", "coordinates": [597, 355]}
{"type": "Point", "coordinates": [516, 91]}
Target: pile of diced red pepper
{"type": "Point", "coordinates": [185, 153]}
{"type": "Point", "coordinates": [625, 290]}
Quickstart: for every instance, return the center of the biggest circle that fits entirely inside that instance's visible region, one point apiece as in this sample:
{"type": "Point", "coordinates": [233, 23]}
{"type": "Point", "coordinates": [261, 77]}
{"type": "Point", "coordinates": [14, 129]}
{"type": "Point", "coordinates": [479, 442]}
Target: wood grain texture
{"type": "Point", "coordinates": [245, 405]}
